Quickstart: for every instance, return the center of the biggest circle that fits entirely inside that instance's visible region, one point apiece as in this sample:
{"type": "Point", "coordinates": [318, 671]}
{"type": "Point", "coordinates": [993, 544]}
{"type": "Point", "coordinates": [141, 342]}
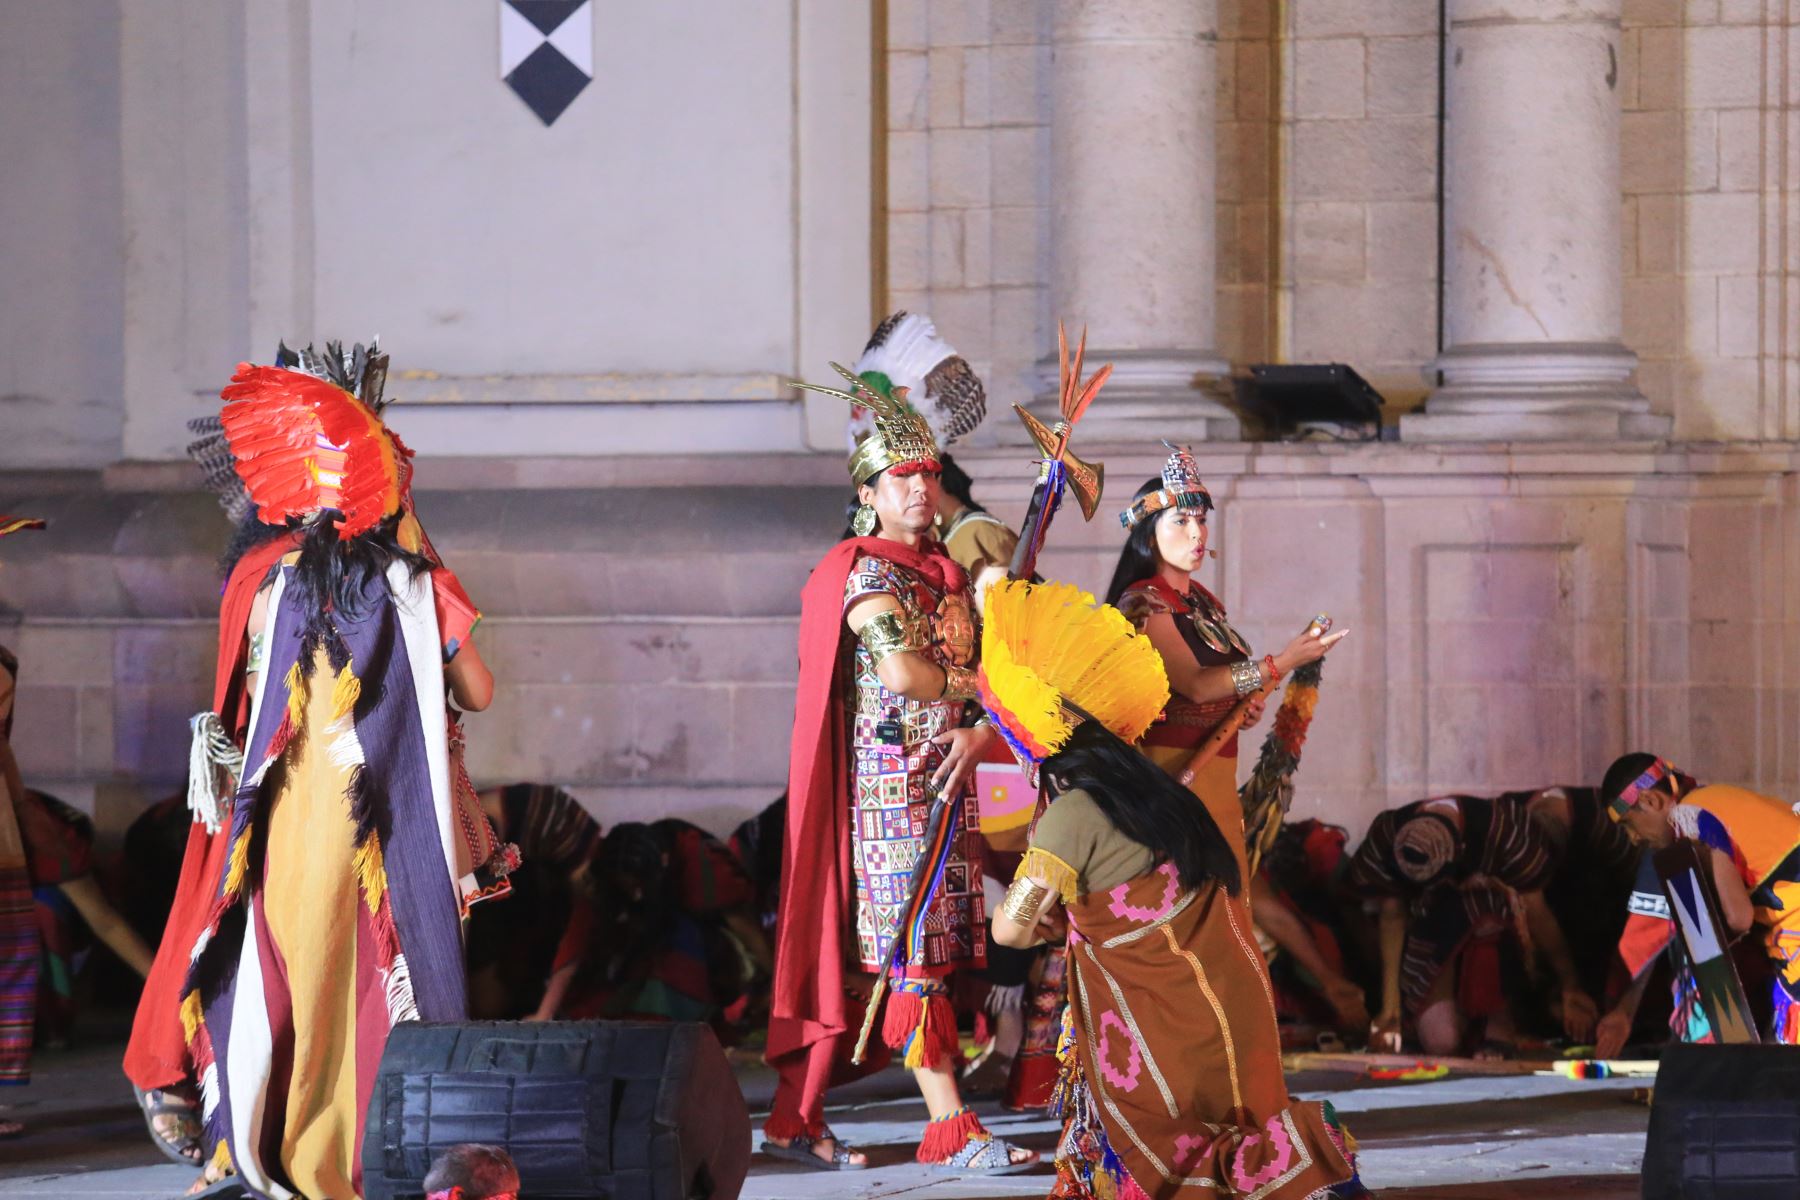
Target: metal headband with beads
{"type": "Point", "coordinates": [1181, 489]}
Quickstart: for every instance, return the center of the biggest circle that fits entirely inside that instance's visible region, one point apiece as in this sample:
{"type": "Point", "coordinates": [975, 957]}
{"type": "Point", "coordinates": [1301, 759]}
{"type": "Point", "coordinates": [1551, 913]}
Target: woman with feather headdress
{"type": "Point", "coordinates": [351, 844]}
{"type": "Point", "coordinates": [1172, 1082]}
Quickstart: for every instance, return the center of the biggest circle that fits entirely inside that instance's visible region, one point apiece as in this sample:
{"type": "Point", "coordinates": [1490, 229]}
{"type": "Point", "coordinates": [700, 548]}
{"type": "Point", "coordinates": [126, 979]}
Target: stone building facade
{"type": "Point", "coordinates": [1558, 235]}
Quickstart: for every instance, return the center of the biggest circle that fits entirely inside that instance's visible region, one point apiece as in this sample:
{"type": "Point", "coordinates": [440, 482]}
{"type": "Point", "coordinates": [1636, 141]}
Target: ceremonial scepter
{"type": "Point", "coordinates": [1234, 720]}
{"type": "Point", "coordinates": [1269, 792]}
{"type": "Point", "coordinates": [1060, 470]}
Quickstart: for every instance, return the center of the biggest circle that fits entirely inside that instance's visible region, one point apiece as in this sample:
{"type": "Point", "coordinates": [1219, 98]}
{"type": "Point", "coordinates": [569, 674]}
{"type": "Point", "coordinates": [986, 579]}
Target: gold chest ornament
{"type": "Point", "coordinates": [1209, 622]}
{"type": "Point", "coordinates": [953, 628]}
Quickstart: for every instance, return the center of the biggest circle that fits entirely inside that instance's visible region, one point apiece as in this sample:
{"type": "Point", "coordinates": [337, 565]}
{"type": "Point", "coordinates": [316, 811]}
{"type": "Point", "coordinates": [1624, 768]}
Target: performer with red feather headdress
{"type": "Point", "coordinates": [349, 847]}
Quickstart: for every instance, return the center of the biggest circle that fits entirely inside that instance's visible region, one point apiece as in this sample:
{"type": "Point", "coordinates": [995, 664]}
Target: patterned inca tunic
{"type": "Point", "coordinates": [892, 761]}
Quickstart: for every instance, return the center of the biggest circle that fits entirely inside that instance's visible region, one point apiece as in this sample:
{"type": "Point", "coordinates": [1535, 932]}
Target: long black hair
{"type": "Point", "coordinates": [1145, 805]}
{"type": "Point", "coordinates": [335, 576]}
{"type": "Point", "coordinates": [1138, 559]}
{"type": "Point", "coordinates": [249, 533]}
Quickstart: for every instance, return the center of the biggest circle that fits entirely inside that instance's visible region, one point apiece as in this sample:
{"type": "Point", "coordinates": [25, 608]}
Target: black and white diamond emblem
{"type": "Point", "coordinates": [547, 52]}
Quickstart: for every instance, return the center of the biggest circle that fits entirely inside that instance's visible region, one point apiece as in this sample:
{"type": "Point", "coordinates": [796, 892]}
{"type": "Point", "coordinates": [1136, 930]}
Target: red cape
{"type": "Point", "coordinates": [157, 1055]}
{"type": "Point", "coordinates": [807, 1012]}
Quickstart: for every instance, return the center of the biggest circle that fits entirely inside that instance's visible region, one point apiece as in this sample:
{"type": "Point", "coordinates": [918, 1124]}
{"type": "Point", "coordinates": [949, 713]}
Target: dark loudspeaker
{"type": "Point", "coordinates": [1294, 395]}
{"type": "Point", "coordinates": [629, 1110]}
{"type": "Point", "coordinates": [1724, 1124]}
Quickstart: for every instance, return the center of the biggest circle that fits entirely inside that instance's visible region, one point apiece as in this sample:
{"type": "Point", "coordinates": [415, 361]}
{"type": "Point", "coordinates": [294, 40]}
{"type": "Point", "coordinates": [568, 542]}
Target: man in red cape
{"type": "Point", "coordinates": [880, 718]}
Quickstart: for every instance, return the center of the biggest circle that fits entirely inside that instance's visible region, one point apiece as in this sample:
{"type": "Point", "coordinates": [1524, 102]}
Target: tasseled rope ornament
{"type": "Point", "coordinates": [296, 695]}
{"type": "Point", "coordinates": [214, 764]}
{"type": "Point", "coordinates": [346, 693]}
{"type": "Point", "coordinates": [371, 873]}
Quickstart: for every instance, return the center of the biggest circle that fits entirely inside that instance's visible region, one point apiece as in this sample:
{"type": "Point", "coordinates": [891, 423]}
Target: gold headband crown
{"type": "Point", "coordinates": [900, 436]}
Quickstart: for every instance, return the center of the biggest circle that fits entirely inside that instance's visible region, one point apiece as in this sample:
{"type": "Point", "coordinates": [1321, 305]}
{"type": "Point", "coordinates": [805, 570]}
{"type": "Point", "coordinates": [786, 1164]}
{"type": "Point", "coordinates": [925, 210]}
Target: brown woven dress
{"type": "Point", "coordinates": [1173, 1084]}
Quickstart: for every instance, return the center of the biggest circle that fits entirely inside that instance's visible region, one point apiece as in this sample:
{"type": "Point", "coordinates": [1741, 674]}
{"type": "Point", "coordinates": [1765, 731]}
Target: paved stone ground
{"type": "Point", "coordinates": [1506, 1138]}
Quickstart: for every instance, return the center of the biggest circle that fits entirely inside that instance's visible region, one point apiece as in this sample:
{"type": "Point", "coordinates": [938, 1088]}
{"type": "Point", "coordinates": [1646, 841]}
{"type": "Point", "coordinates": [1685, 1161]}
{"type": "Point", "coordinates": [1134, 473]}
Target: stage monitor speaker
{"type": "Point", "coordinates": [628, 1110]}
{"type": "Point", "coordinates": [1724, 1124]}
{"type": "Point", "coordinates": [1330, 396]}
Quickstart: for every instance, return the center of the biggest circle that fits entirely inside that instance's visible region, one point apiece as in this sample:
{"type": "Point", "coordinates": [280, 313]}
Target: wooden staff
{"type": "Point", "coordinates": [1215, 741]}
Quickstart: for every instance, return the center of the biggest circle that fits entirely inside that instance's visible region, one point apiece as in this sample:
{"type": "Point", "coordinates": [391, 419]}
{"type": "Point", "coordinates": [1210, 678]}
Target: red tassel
{"type": "Point", "coordinates": [947, 1135]}
{"type": "Point", "coordinates": [904, 1012]}
{"type": "Point", "coordinates": [922, 1027]}
{"type": "Point", "coordinates": [941, 1042]}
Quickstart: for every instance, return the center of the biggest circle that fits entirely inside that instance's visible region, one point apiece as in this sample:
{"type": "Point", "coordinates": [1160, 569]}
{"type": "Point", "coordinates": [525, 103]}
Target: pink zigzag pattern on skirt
{"type": "Point", "coordinates": [1130, 912]}
{"type": "Point", "coordinates": [1282, 1153]}
{"type": "Point", "coordinates": [1191, 1149]}
{"type": "Point", "coordinates": [1128, 1080]}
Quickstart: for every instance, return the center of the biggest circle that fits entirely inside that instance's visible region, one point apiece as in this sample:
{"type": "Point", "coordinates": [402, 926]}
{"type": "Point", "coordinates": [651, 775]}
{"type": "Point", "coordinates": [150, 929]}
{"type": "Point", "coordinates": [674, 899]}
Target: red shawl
{"type": "Point", "coordinates": [157, 1055]}
{"type": "Point", "coordinates": [808, 1006]}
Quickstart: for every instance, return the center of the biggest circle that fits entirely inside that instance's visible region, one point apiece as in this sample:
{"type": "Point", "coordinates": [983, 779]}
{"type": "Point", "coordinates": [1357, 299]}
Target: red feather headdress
{"type": "Point", "coordinates": [303, 445]}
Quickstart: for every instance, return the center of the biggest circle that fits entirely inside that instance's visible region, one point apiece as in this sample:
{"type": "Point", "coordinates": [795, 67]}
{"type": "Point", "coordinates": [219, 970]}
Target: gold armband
{"type": "Point", "coordinates": [960, 684]}
{"type": "Point", "coordinates": [1022, 900]}
{"type": "Point", "coordinates": [888, 633]}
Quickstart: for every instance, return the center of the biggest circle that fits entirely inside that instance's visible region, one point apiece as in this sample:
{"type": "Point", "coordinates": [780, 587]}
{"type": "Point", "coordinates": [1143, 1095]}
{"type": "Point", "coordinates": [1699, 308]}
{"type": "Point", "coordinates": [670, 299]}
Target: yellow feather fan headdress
{"type": "Point", "coordinates": [1047, 649]}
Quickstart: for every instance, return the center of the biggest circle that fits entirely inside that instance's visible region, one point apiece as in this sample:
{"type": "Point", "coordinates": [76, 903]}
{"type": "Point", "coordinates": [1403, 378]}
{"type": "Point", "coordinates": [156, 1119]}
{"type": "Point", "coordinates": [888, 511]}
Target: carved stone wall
{"type": "Point", "coordinates": [1518, 618]}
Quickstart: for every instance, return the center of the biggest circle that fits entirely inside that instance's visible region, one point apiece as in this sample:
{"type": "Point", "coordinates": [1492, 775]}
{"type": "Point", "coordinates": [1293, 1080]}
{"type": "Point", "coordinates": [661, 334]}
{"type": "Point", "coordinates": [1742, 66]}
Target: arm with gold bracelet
{"type": "Point", "coordinates": [898, 645]}
{"type": "Point", "coordinates": [1029, 903]}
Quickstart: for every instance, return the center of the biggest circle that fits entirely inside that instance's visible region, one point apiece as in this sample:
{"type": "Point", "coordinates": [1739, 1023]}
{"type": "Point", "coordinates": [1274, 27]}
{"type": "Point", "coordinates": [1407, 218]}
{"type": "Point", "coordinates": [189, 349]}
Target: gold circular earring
{"type": "Point", "coordinates": [863, 523]}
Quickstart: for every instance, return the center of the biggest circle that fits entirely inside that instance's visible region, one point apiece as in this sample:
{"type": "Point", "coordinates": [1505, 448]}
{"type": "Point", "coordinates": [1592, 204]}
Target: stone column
{"type": "Point", "coordinates": [1532, 288]}
{"type": "Point", "coordinates": [1132, 191]}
